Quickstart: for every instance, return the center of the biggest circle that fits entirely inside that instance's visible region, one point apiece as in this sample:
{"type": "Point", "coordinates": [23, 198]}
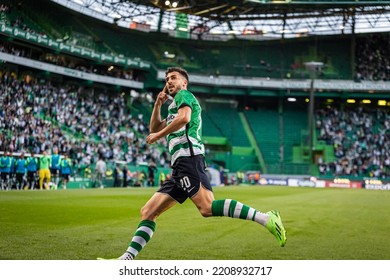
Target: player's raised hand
{"type": "Point", "coordinates": [162, 97]}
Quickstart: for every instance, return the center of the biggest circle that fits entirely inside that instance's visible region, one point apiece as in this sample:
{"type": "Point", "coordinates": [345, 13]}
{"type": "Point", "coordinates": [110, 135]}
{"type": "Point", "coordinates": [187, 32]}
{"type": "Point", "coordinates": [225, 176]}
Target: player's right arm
{"type": "Point", "coordinates": [156, 124]}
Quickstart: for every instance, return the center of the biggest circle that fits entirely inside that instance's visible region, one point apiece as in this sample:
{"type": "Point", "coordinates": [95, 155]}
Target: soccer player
{"type": "Point", "coordinates": [20, 171]}
{"type": "Point", "coordinates": [44, 171]}
{"type": "Point", "coordinates": [117, 174]}
{"type": "Point", "coordinates": [32, 168]}
{"type": "Point", "coordinates": [2, 159]}
{"type": "Point", "coordinates": [55, 166]}
{"type": "Point", "coordinates": [12, 174]}
{"type": "Point", "coordinates": [66, 165]}
{"type": "Point", "coordinates": [189, 180]}
{"type": "Point", "coordinates": [5, 165]}
{"type": "Point", "coordinates": [152, 169]}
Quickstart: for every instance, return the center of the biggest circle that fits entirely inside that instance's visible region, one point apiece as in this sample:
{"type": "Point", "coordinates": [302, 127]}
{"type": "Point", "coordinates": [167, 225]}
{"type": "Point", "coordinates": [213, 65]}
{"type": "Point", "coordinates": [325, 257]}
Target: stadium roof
{"type": "Point", "coordinates": [250, 19]}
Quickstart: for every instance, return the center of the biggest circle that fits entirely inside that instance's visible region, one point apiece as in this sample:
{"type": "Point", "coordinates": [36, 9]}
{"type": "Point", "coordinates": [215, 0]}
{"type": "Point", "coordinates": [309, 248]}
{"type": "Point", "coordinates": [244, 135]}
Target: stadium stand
{"type": "Point", "coordinates": [45, 116]}
{"type": "Point", "coordinates": [224, 117]}
{"type": "Point", "coordinates": [210, 127]}
{"type": "Point", "coordinates": [361, 141]}
{"type": "Point", "coordinates": [373, 65]}
{"type": "Point", "coordinates": [265, 126]}
{"type": "Point", "coordinates": [294, 122]}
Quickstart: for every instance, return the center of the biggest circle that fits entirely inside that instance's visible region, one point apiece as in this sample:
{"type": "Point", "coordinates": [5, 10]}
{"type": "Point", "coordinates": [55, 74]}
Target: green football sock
{"type": "Point", "coordinates": [142, 236]}
{"type": "Point", "coordinates": [234, 209]}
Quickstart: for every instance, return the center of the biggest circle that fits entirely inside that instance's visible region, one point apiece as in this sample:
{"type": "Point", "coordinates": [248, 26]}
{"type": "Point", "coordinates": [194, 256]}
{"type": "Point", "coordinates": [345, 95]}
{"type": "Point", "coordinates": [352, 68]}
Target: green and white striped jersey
{"type": "Point", "coordinates": [186, 141]}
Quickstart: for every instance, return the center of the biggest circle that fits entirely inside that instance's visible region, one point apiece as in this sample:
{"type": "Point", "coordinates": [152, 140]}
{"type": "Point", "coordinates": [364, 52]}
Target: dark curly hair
{"type": "Point", "coordinates": [179, 70]}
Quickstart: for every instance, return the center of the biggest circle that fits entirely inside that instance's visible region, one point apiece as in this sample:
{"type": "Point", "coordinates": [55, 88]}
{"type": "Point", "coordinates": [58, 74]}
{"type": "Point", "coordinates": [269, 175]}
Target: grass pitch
{"type": "Point", "coordinates": [321, 224]}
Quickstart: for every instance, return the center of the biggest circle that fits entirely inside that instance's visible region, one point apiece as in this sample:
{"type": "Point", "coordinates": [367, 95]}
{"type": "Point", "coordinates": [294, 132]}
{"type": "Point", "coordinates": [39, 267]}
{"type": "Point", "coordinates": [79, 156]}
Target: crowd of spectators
{"type": "Point", "coordinates": [18, 21]}
{"type": "Point", "coordinates": [373, 58]}
{"type": "Point", "coordinates": [361, 140]}
{"type": "Point", "coordinates": [39, 116]}
{"type": "Point", "coordinates": [58, 59]}
{"type": "Point", "coordinates": [69, 62]}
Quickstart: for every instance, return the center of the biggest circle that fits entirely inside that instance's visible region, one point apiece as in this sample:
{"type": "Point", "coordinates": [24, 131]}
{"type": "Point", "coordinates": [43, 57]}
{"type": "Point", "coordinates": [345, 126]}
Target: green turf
{"type": "Point", "coordinates": [321, 224]}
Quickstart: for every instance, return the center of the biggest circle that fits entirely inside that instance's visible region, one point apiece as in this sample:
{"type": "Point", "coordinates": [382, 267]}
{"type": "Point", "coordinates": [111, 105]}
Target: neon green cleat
{"type": "Point", "coordinates": [275, 226]}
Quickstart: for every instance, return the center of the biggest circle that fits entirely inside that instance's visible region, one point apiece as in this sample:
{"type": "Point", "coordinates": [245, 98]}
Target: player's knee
{"type": "Point", "coordinates": [148, 214]}
{"type": "Point", "coordinates": [143, 211]}
{"type": "Point", "coordinates": [205, 212]}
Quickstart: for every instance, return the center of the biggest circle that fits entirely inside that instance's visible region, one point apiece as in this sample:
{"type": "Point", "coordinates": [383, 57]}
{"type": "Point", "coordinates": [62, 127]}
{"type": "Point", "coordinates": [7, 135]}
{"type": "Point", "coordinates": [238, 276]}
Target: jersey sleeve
{"type": "Point", "coordinates": [184, 98]}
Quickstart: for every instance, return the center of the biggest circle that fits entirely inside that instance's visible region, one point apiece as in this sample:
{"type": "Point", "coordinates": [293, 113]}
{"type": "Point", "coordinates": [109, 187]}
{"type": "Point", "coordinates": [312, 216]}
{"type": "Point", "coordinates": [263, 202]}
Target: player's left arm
{"type": "Point", "coordinates": [183, 117]}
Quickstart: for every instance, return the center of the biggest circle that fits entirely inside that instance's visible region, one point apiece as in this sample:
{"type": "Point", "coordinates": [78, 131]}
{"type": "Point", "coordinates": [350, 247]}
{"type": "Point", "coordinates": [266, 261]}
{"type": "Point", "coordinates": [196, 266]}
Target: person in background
{"type": "Point", "coordinates": [257, 177]}
{"type": "Point", "coordinates": [44, 170]}
{"type": "Point", "coordinates": [222, 175]}
{"type": "Point", "coordinates": [5, 165]}
{"type": "Point", "coordinates": [12, 173]}
{"type": "Point", "coordinates": [32, 169]}
{"type": "Point", "coordinates": [151, 172]}
{"type": "Point", "coordinates": [117, 174]}
{"type": "Point", "coordinates": [100, 170]}
{"type": "Point", "coordinates": [55, 166]}
{"type": "Point", "coordinates": [239, 176]}
{"type": "Point", "coordinates": [162, 178]}
{"type": "Point", "coordinates": [142, 178]}
{"type": "Point", "coordinates": [20, 170]}
{"type": "Point", "coordinates": [2, 171]}
{"type": "Point", "coordinates": [126, 176]}
{"type": "Point", "coordinates": [66, 169]}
